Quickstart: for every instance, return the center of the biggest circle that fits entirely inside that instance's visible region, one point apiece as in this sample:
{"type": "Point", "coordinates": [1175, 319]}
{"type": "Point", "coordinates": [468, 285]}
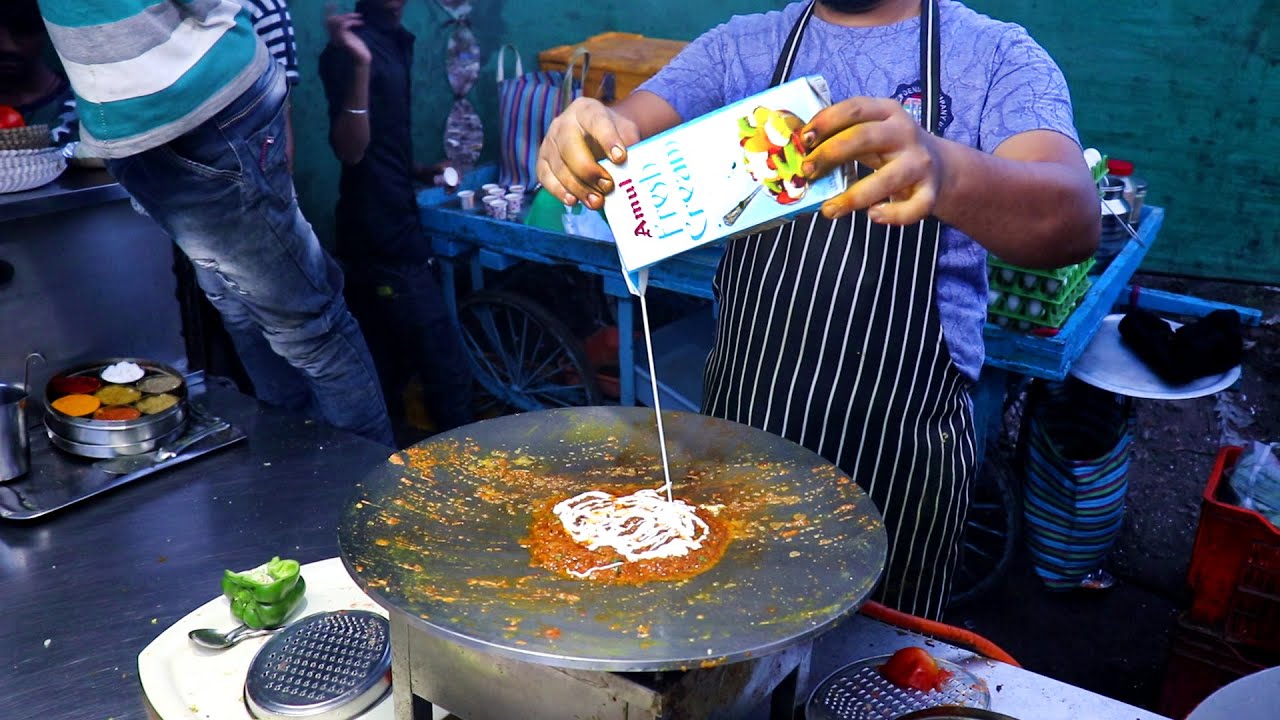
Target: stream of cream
{"type": "Point", "coordinates": [641, 526]}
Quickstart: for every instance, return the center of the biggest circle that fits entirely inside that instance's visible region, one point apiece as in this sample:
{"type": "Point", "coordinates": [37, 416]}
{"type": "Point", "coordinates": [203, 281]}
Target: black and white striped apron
{"type": "Point", "coordinates": [828, 335]}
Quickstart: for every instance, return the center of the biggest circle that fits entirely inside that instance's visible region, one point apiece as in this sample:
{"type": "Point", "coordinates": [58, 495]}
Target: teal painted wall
{"type": "Point", "coordinates": [531, 25]}
{"type": "Point", "coordinates": [1190, 91]}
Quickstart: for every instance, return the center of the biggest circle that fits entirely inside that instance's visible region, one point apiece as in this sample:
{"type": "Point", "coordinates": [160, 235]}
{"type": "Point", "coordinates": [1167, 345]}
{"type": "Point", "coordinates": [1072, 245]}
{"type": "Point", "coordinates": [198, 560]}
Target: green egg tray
{"type": "Point", "coordinates": [1055, 315]}
{"type": "Point", "coordinates": [1070, 276]}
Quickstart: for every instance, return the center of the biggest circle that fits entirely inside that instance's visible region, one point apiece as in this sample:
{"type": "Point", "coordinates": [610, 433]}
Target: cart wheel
{"type": "Point", "coordinates": [522, 355]}
{"type": "Point", "coordinates": [991, 531]}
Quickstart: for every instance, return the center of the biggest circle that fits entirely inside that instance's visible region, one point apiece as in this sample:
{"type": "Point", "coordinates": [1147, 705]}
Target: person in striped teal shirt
{"type": "Point", "coordinates": [186, 104]}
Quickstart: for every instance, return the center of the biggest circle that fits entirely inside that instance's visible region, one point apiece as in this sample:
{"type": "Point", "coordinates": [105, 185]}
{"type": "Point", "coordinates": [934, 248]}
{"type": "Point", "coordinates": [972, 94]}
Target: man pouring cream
{"type": "Point", "coordinates": [857, 331]}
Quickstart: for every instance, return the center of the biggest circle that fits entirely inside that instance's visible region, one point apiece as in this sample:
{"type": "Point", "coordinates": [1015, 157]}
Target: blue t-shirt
{"type": "Point", "coordinates": [996, 82]}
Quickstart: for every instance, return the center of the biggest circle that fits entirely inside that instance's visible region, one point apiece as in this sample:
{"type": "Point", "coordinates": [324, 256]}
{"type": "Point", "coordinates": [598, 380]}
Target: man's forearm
{"type": "Point", "coordinates": [350, 132]}
{"type": "Point", "coordinates": [1036, 212]}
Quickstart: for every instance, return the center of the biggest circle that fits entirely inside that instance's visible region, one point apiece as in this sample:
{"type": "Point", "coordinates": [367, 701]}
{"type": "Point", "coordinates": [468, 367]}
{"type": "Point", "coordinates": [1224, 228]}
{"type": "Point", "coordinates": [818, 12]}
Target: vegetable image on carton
{"type": "Point", "coordinates": [731, 172]}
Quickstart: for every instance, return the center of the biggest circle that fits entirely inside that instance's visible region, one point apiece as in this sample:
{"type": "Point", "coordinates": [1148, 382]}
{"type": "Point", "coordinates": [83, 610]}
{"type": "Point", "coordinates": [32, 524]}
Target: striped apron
{"type": "Point", "coordinates": [828, 335]}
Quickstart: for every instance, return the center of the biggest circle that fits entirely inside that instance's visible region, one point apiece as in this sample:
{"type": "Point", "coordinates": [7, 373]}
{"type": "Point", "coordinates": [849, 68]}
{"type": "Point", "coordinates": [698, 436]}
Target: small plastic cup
{"type": "Point", "coordinates": [468, 199]}
{"type": "Point", "coordinates": [515, 201]}
{"type": "Point", "coordinates": [518, 189]}
{"type": "Point", "coordinates": [495, 191]}
{"type": "Point", "coordinates": [489, 186]}
{"type": "Point", "coordinates": [496, 207]}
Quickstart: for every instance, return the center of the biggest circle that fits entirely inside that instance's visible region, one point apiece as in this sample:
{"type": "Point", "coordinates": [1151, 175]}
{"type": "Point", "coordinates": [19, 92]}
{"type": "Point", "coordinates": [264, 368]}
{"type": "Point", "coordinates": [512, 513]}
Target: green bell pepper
{"type": "Point", "coordinates": [258, 614]}
{"type": "Point", "coordinates": [264, 596]}
{"type": "Point", "coordinates": [267, 583]}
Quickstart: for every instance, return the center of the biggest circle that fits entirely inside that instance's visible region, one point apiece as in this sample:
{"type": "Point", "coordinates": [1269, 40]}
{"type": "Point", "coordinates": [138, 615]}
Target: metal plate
{"type": "Point", "coordinates": [1252, 697]}
{"type": "Point", "coordinates": [1110, 365]}
{"type": "Point", "coordinates": [58, 480]}
{"type": "Point", "coordinates": [859, 692]}
{"type": "Point", "coordinates": [436, 533]}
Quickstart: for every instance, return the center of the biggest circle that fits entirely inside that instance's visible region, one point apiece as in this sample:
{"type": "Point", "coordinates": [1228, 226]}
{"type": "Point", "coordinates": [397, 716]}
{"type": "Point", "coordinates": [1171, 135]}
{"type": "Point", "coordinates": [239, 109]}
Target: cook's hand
{"type": "Point", "coordinates": [569, 159]}
{"type": "Point", "coordinates": [879, 133]}
{"type": "Point", "coordinates": [342, 33]}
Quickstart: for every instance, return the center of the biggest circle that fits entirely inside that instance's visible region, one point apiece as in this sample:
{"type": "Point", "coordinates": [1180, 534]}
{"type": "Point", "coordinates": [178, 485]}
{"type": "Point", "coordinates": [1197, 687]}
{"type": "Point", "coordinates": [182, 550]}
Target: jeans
{"type": "Point", "coordinates": [223, 192]}
{"type": "Point", "coordinates": [403, 312]}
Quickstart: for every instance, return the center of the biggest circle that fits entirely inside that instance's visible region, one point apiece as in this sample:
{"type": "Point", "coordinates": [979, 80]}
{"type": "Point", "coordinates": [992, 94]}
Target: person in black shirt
{"type": "Point", "coordinates": [391, 284]}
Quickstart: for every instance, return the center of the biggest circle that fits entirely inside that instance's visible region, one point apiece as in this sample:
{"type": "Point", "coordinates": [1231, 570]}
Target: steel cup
{"type": "Point", "coordinates": [14, 448]}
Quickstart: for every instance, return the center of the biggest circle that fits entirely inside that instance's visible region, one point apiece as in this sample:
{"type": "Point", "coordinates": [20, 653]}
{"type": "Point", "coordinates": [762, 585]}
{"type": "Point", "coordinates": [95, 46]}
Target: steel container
{"type": "Point", "coordinates": [112, 438]}
{"type": "Point", "coordinates": [14, 450]}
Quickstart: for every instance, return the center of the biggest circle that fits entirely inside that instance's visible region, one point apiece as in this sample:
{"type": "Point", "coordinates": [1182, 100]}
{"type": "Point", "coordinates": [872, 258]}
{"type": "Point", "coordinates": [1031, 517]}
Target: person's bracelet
{"type": "Point", "coordinates": [364, 111]}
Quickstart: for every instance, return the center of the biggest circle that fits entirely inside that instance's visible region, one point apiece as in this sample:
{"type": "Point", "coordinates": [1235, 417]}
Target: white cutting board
{"type": "Point", "coordinates": [186, 682]}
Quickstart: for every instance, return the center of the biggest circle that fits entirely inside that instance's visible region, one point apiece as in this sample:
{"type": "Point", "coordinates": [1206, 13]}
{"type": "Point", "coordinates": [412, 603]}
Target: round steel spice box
{"type": "Point", "coordinates": [88, 437]}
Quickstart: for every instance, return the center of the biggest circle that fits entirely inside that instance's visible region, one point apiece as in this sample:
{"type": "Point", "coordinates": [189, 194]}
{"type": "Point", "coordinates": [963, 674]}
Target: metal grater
{"type": "Point", "coordinates": [332, 665]}
{"type": "Point", "coordinates": [859, 692]}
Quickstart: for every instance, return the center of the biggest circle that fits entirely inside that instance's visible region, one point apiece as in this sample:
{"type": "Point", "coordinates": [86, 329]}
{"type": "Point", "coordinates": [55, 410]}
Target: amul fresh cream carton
{"type": "Point", "coordinates": [731, 172]}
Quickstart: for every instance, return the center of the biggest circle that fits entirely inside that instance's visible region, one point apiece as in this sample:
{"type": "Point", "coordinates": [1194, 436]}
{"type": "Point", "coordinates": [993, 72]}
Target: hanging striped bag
{"type": "Point", "coordinates": [1077, 476]}
{"type": "Point", "coordinates": [527, 103]}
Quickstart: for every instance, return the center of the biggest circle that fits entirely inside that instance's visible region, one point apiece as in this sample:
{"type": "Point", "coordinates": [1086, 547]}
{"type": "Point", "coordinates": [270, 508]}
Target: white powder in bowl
{"type": "Point", "coordinates": [123, 372]}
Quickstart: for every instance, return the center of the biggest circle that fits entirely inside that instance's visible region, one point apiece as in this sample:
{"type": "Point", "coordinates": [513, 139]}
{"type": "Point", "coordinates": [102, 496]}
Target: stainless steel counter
{"type": "Point", "coordinates": [77, 188]}
{"type": "Point", "coordinates": [82, 592]}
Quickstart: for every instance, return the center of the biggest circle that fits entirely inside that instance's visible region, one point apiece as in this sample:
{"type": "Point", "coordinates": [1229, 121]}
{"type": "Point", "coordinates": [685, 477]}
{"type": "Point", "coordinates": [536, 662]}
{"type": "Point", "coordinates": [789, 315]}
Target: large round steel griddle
{"type": "Point", "coordinates": [435, 535]}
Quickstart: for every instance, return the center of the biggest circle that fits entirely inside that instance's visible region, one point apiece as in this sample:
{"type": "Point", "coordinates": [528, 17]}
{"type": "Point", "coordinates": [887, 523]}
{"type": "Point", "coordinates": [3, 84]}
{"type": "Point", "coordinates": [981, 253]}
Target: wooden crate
{"type": "Point", "coordinates": [631, 58]}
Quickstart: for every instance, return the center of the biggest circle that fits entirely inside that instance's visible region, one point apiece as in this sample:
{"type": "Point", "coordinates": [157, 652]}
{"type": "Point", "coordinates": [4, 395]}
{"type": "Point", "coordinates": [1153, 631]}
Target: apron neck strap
{"type": "Point", "coordinates": [782, 71]}
{"type": "Point", "coordinates": [930, 67]}
{"type": "Point", "coordinates": [930, 60]}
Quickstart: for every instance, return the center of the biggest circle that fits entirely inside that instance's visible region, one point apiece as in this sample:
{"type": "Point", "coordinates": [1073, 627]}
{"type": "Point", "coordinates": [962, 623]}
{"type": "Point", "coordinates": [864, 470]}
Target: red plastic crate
{"type": "Point", "coordinates": [1200, 662]}
{"type": "Point", "coordinates": [1235, 567]}
{"type": "Point", "coordinates": [1254, 616]}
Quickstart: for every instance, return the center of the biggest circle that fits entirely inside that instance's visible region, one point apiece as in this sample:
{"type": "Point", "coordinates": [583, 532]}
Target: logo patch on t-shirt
{"type": "Point", "coordinates": [912, 99]}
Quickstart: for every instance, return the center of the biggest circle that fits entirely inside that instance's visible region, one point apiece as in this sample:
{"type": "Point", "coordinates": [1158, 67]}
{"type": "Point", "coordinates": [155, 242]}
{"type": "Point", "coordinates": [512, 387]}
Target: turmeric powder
{"type": "Point", "coordinates": [76, 405]}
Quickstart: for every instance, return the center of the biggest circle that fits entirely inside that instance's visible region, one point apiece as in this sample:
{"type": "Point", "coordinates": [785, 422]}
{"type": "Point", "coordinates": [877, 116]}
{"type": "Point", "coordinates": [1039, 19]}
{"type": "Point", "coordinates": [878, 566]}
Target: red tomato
{"type": "Point", "coordinates": [913, 668]}
{"type": "Point", "coordinates": [10, 118]}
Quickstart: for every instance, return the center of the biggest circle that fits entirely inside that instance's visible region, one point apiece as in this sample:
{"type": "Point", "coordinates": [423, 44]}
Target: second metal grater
{"type": "Point", "coordinates": [332, 665]}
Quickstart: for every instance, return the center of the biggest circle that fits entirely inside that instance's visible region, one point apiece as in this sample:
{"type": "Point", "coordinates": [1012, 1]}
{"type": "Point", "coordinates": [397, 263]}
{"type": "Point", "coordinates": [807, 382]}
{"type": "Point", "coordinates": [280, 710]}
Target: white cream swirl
{"type": "Point", "coordinates": [642, 526]}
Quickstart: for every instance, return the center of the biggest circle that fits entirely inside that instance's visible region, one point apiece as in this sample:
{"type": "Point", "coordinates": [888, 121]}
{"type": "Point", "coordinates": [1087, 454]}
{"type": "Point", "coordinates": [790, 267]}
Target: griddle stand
{"type": "Point", "coordinates": [476, 685]}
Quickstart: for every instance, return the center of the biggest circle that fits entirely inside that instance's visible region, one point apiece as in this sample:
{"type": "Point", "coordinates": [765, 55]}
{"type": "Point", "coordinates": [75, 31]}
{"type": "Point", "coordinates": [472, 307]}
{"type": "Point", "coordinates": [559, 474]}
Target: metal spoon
{"type": "Point", "coordinates": [215, 640]}
{"type": "Point", "coordinates": [132, 463]}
